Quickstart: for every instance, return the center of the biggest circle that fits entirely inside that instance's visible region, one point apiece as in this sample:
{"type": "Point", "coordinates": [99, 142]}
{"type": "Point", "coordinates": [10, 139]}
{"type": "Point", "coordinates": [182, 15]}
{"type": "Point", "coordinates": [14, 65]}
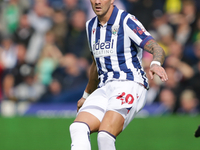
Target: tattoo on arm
{"type": "Point", "coordinates": [155, 49]}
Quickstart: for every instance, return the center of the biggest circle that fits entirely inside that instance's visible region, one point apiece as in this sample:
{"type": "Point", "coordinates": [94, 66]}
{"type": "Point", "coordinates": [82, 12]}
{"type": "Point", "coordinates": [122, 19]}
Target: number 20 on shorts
{"type": "Point", "coordinates": [129, 99]}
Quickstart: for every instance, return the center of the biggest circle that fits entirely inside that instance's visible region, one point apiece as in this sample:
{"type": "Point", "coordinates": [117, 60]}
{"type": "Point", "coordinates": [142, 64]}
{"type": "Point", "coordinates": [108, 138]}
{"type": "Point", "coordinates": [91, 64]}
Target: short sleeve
{"type": "Point", "coordinates": [136, 31]}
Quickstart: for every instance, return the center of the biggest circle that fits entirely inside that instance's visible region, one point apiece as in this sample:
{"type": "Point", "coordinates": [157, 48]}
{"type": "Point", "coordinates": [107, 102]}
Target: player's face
{"type": "Point", "coordinates": [101, 7]}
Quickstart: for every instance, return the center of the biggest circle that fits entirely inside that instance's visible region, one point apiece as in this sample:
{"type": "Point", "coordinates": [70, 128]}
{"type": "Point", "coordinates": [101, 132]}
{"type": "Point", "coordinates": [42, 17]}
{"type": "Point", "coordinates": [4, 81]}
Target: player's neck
{"type": "Point", "coordinates": [103, 19]}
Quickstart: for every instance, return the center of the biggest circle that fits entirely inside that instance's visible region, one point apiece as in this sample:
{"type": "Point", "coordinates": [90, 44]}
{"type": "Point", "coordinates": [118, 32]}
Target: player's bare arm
{"type": "Point", "coordinates": [92, 83]}
{"type": "Point", "coordinates": [157, 51]}
{"type": "Point", "coordinates": [93, 78]}
{"type": "Point", "coordinates": [158, 56]}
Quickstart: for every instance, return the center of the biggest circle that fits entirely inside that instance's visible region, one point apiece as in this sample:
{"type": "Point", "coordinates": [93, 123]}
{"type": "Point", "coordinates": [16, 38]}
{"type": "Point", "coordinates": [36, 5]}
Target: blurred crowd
{"type": "Point", "coordinates": [44, 54]}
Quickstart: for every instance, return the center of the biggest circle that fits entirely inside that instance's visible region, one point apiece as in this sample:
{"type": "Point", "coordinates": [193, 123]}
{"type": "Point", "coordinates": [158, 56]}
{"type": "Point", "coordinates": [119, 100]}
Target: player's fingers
{"type": "Point", "coordinates": [164, 75]}
{"type": "Point", "coordinates": [162, 79]}
{"type": "Point", "coordinates": [151, 74]}
{"type": "Point", "coordinates": [80, 103]}
{"type": "Point", "coordinates": [78, 107]}
{"type": "Point", "coordinates": [160, 71]}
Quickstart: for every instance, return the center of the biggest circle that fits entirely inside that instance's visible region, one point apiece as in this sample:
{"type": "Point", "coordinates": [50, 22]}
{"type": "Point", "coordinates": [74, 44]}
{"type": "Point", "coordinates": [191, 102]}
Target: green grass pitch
{"type": "Point", "coordinates": [152, 133]}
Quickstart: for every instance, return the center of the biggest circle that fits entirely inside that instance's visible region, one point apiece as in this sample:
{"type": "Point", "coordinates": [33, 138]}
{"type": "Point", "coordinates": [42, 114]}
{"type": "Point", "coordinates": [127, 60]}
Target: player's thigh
{"type": "Point", "coordinates": [137, 105]}
{"type": "Point", "coordinates": [92, 121]}
{"type": "Point", "coordinates": [126, 99]}
{"type": "Point", "coordinates": [112, 122]}
{"type": "Point", "coordinates": [93, 110]}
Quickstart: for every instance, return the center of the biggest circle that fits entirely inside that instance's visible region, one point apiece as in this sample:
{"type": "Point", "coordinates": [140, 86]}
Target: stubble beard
{"type": "Point", "coordinates": [101, 14]}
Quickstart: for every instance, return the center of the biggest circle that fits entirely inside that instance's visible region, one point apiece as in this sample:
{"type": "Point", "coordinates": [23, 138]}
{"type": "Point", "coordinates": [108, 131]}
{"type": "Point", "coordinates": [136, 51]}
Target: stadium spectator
{"type": "Point", "coordinates": [182, 68]}
{"type": "Point", "coordinates": [182, 74]}
{"type": "Point", "coordinates": [173, 83]}
{"type": "Point", "coordinates": [184, 30]}
{"type": "Point", "coordinates": [194, 81]}
{"type": "Point", "coordinates": [8, 85]}
{"type": "Point", "coordinates": [187, 75]}
{"type": "Point", "coordinates": [161, 30]}
{"type": "Point", "coordinates": [70, 73]}
{"type": "Point", "coordinates": [17, 71]}
{"type": "Point", "coordinates": [40, 19]}
{"type": "Point", "coordinates": [176, 49]}
{"type": "Point", "coordinates": [24, 31]}
{"type": "Point", "coordinates": [14, 76]}
{"type": "Point", "coordinates": [167, 99]}
{"type": "Point", "coordinates": [196, 33]}
{"type": "Point", "coordinates": [69, 79]}
{"type": "Point", "coordinates": [188, 103]}
{"type": "Point", "coordinates": [70, 6]}
{"type": "Point", "coordinates": [53, 93]}
{"type": "Point", "coordinates": [60, 28]}
{"type": "Point", "coordinates": [76, 41]}
{"type": "Point", "coordinates": [142, 9]}
{"type": "Point", "coordinates": [8, 53]}
{"type": "Point", "coordinates": [165, 34]}
{"type": "Point", "coordinates": [189, 10]}
{"type": "Point", "coordinates": [8, 60]}
{"type": "Point", "coordinates": [48, 60]}
{"type": "Point", "coordinates": [10, 16]}
{"type": "Point", "coordinates": [30, 90]}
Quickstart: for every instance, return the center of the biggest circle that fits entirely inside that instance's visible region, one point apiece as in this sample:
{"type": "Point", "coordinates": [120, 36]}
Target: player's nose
{"type": "Point", "coordinates": [97, 1]}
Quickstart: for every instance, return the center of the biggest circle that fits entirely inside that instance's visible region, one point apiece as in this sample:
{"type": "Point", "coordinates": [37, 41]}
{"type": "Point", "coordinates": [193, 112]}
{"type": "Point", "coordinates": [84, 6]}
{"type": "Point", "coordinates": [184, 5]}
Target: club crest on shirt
{"type": "Point", "coordinates": [115, 29]}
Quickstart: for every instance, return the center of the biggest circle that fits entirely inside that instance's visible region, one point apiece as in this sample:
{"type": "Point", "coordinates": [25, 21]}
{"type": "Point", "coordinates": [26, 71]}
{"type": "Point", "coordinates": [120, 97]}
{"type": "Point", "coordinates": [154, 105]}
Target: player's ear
{"type": "Point", "coordinates": [112, 2]}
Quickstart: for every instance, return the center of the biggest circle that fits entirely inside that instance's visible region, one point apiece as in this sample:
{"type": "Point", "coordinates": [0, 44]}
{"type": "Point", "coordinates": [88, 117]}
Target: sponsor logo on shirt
{"type": "Point", "coordinates": [103, 48]}
{"type": "Point", "coordinates": [139, 30]}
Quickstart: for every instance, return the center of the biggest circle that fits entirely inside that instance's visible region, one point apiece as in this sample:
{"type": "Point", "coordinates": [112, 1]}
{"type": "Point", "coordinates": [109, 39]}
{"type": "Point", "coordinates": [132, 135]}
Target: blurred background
{"type": "Point", "coordinates": [44, 59]}
{"type": "Point", "coordinates": [44, 56]}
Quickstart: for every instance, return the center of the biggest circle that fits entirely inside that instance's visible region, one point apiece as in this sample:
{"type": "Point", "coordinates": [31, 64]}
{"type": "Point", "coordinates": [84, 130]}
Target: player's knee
{"type": "Point", "coordinates": [106, 141]}
{"type": "Point", "coordinates": [80, 132]}
{"type": "Point", "coordinates": [72, 127]}
{"type": "Point", "coordinates": [78, 127]}
{"type": "Point", "coordinates": [105, 135]}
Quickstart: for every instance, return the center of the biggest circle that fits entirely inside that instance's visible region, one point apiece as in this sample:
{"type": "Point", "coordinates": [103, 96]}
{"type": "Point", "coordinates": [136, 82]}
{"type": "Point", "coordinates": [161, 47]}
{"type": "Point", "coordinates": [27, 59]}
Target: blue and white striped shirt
{"type": "Point", "coordinates": [117, 47]}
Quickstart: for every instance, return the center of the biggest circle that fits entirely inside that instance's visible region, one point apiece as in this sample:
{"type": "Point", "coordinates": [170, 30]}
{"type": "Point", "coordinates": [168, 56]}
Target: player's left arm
{"type": "Point", "coordinates": [158, 57]}
{"type": "Point", "coordinates": [92, 83]}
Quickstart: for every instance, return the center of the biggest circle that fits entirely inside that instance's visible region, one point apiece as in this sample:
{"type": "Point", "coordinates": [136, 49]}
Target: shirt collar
{"type": "Point", "coordinates": [113, 16]}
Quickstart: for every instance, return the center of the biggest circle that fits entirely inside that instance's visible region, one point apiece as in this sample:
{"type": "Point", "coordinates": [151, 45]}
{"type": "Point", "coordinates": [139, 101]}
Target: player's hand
{"type": "Point", "coordinates": [80, 103]}
{"type": "Point", "coordinates": [160, 71]}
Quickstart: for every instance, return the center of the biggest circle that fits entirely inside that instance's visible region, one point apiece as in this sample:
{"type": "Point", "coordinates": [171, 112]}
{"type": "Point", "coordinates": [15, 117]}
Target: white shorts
{"type": "Point", "coordinates": [125, 97]}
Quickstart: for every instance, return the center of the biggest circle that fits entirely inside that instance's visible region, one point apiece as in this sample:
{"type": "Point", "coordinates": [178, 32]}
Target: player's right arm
{"type": "Point", "coordinates": [158, 56]}
{"type": "Point", "coordinates": [142, 38]}
{"type": "Point", "coordinates": [92, 83]}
